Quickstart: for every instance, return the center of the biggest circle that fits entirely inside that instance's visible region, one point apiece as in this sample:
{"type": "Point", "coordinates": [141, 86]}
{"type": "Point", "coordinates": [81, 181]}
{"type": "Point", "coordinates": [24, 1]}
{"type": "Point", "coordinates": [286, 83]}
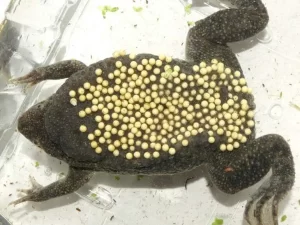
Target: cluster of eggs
{"type": "Point", "coordinates": [148, 107]}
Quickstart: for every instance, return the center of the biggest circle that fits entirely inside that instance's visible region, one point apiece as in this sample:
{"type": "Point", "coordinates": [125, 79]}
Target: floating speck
{"type": "Point", "coordinates": [48, 171]}
{"type": "Point", "coordinates": [106, 8]}
{"type": "Point", "coordinates": [283, 218]}
{"type": "Point", "coordinates": [191, 23]}
{"type": "Point", "coordinates": [296, 106]}
{"type": "Point", "coordinates": [187, 9]}
{"type": "Point", "coordinates": [137, 9]}
{"type": "Point", "coordinates": [139, 177]}
{"type": "Point", "coordinates": [94, 195]}
{"type": "Point", "coordinates": [217, 222]}
{"type": "Point", "coordinates": [275, 111]}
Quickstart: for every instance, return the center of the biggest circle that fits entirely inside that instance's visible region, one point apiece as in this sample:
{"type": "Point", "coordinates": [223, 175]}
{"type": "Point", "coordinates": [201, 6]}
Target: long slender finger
{"type": "Point", "coordinates": [32, 76]}
{"type": "Point", "coordinates": [256, 196]}
{"type": "Point", "coordinates": [248, 208]}
{"type": "Point", "coordinates": [25, 191]}
{"type": "Point", "coordinates": [275, 212]}
{"type": "Point", "coordinates": [34, 183]}
{"type": "Point", "coordinates": [276, 201]}
{"type": "Point", "coordinates": [259, 207]}
{"type": "Point", "coordinates": [20, 200]}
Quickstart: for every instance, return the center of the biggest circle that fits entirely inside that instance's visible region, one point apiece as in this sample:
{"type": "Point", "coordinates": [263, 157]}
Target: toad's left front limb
{"type": "Point", "coordinates": [234, 171]}
{"type": "Point", "coordinates": [75, 179]}
{"type": "Point", "coordinates": [56, 71]}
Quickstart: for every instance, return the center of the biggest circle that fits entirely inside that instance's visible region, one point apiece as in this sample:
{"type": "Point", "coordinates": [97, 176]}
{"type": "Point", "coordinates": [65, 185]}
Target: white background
{"type": "Point", "coordinates": [271, 67]}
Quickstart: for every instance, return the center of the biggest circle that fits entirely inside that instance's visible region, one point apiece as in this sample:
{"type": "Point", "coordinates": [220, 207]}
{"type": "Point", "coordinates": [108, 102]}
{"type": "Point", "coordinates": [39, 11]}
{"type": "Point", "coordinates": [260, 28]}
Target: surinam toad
{"type": "Point", "coordinates": [148, 114]}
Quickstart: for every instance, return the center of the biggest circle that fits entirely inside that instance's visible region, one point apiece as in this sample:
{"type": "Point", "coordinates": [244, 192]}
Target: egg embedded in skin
{"type": "Point", "coordinates": [155, 106]}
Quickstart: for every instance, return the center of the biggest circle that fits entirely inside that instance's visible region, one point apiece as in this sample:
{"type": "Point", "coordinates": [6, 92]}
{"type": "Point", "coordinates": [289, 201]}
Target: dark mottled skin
{"type": "Point", "coordinates": [53, 124]}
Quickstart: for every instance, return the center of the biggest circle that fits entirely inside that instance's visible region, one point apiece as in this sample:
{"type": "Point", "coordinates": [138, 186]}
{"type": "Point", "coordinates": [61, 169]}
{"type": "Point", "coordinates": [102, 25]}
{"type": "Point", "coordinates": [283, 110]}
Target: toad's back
{"type": "Point", "coordinates": [149, 111]}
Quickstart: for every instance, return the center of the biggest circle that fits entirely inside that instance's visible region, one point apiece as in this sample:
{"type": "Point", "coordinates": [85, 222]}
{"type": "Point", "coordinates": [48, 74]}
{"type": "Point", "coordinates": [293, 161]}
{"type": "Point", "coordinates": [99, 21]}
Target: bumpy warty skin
{"type": "Point", "coordinates": [56, 126]}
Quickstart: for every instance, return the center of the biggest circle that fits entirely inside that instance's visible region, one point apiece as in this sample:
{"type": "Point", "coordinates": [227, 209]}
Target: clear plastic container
{"type": "Point", "coordinates": [35, 33]}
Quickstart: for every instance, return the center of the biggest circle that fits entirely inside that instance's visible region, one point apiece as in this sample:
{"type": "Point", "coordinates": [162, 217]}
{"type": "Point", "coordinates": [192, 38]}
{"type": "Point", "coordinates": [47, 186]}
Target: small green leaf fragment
{"type": "Point", "coordinates": [281, 94]}
{"type": "Point", "coordinates": [299, 202]}
{"type": "Point", "coordinates": [296, 106]}
{"type": "Point", "coordinates": [283, 218]}
{"type": "Point", "coordinates": [117, 178]}
{"type": "Point", "coordinates": [137, 9]}
{"type": "Point", "coordinates": [37, 164]}
{"type": "Point", "coordinates": [217, 222]}
{"type": "Point", "coordinates": [139, 177]}
{"type": "Point", "coordinates": [94, 195]}
{"type": "Point", "coordinates": [106, 8]}
{"type": "Point", "coordinates": [114, 9]}
{"type": "Point", "coordinates": [191, 23]}
{"type": "Point", "coordinates": [187, 9]}
{"type": "Point", "coordinates": [61, 174]}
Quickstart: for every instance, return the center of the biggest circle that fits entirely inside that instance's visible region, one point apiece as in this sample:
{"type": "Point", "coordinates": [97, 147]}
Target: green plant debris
{"type": "Point", "coordinates": [217, 222]}
{"type": "Point", "coordinates": [139, 177]}
{"type": "Point", "coordinates": [137, 9]}
{"type": "Point", "coordinates": [117, 178]}
{"type": "Point", "coordinates": [105, 9]}
{"type": "Point", "coordinates": [37, 164]}
{"type": "Point", "coordinates": [93, 195]}
{"type": "Point", "coordinates": [299, 202]}
{"type": "Point", "coordinates": [187, 9]}
{"type": "Point", "coordinates": [61, 174]}
{"type": "Point", "coordinates": [280, 94]}
{"type": "Point", "coordinates": [283, 218]}
{"type": "Point", "coordinates": [296, 106]}
{"type": "Point", "coordinates": [191, 23]}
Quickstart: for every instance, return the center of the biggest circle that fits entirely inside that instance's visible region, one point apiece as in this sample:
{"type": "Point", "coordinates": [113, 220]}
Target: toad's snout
{"type": "Point", "coordinates": [31, 122]}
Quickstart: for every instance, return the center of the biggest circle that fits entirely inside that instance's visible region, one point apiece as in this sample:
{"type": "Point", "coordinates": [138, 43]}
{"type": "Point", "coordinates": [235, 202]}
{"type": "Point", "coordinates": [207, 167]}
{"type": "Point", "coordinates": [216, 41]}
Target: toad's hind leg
{"type": "Point", "coordinates": [209, 38]}
{"type": "Point", "coordinates": [56, 71]}
{"type": "Point", "coordinates": [233, 171]}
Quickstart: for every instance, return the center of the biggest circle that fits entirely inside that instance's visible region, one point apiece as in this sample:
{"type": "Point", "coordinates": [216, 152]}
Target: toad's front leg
{"type": "Point", "coordinates": [56, 71]}
{"type": "Point", "coordinates": [234, 171]}
{"type": "Point", "coordinates": [75, 179]}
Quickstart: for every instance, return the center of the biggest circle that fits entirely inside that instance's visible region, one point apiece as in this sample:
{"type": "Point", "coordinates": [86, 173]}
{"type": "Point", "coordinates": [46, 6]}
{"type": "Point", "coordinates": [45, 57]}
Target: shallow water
{"type": "Point", "coordinates": [38, 33]}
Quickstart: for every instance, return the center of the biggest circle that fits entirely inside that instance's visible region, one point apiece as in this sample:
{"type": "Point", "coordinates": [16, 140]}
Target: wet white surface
{"type": "Point", "coordinates": [271, 63]}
